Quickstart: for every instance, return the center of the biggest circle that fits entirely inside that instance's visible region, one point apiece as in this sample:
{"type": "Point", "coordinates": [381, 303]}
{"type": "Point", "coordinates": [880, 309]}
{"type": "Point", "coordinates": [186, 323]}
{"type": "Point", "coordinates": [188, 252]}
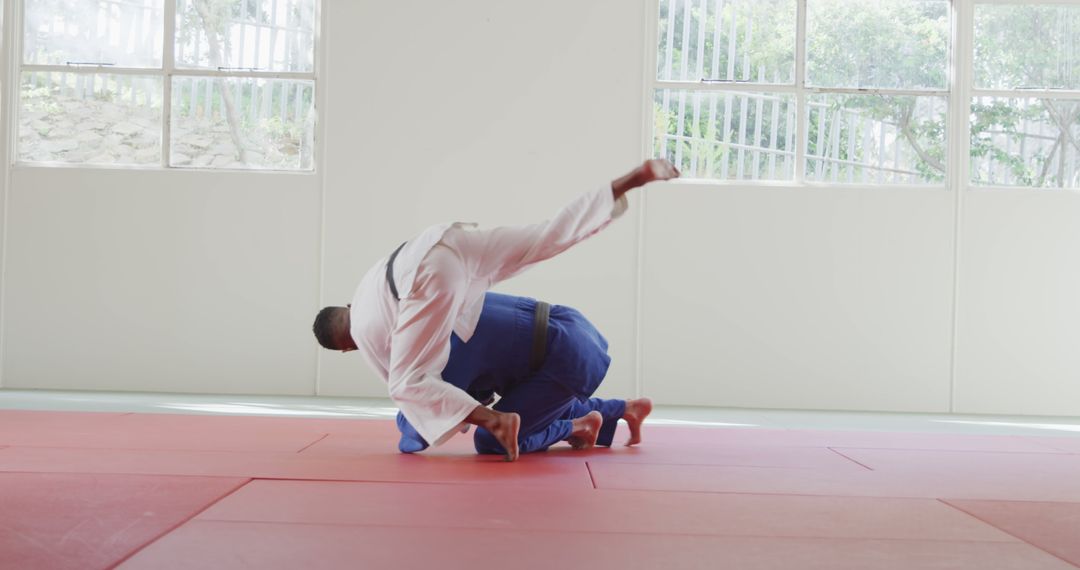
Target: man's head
{"type": "Point", "coordinates": [331, 329]}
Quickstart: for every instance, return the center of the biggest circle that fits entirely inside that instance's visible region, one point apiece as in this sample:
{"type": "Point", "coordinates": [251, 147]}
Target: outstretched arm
{"type": "Point", "coordinates": [500, 253]}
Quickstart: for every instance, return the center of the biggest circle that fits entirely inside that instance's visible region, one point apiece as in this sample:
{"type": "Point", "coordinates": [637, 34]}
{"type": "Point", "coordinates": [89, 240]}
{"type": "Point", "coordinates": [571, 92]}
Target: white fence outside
{"type": "Point", "coordinates": [749, 134]}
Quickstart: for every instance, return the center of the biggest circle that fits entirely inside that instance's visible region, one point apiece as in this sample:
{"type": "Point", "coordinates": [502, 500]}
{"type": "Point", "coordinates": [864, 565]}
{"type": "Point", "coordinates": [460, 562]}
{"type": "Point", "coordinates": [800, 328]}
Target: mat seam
{"type": "Point", "coordinates": [990, 524]}
{"type": "Point", "coordinates": [614, 458]}
{"type": "Point", "coordinates": [608, 532]}
{"type": "Point", "coordinates": [998, 452]}
{"type": "Point", "coordinates": [738, 493]}
{"type": "Point", "coordinates": [776, 494]}
{"type": "Point", "coordinates": [303, 449]}
{"type": "Point", "coordinates": [602, 489]}
{"type": "Point", "coordinates": [724, 465]}
{"type": "Point", "coordinates": [171, 529]}
{"type": "Point", "coordinates": [298, 479]}
{"type": "Point", "coordinates": [867, 467]}
{"type": "Point", "coordinates": [283, 452]}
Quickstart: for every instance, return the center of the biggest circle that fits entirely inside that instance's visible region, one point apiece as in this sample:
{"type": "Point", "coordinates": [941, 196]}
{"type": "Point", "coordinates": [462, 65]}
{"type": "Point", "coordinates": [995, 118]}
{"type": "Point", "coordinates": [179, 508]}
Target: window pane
{"type": "Point", "coordinates": [1027, 46]}
{"type": "Point", "coordinates": [726, 135]}
{"type": "Point", "coordinates": [1025, 142]}
{"type": "Point", "coordinates": [876, 139]}
{"type": "Point", "coordinates": [732, 40]}
{"type": "Point", "coordinates": [125, 33]}
{"type": "Point", "coordinates": [243, 123]}
{"type": "Point", "coordinates": [268, 35]}
{"type": "Point", "coordinates": [883, 44]}
{"type": "Point", "coordinates": [89, 118]}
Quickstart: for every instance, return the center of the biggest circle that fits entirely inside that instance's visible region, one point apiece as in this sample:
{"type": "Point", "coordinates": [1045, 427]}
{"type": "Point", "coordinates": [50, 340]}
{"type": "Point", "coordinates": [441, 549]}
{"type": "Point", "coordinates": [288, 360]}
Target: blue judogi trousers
{"type": "Point", "coordinates": [496, 361]}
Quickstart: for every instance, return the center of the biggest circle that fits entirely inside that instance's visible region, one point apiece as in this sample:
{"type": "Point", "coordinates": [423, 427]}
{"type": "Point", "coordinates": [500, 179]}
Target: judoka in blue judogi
{"type": "Point", "coordinates": [501, 359]}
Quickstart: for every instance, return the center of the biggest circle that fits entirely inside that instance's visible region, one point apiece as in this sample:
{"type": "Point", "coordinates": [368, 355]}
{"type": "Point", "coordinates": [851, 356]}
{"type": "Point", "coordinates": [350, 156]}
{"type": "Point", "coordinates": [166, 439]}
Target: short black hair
{"type": "Point", "coordinates": [324, 327]}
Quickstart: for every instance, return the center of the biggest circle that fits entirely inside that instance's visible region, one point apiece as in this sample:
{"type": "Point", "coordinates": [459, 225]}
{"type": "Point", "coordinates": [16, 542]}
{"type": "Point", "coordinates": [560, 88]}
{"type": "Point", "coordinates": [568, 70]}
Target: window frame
{"type": "Point", "coordinates": [972, 92]}
{"type": "Point", "coordinates": [957, 130]}
{"type": "Point", "coordinates": [14, 12]}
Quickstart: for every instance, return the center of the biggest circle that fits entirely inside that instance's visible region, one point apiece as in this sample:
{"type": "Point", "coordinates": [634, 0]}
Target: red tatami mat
{"type": "Point", "coordinates": [88, 490]}
{"type": "Point", "coordinates": [159, 431]}
{"type": "Point", "coordinates": [1065, 444]}
{"type": "Point", "coordinates": [820, 458]}
{"type": "Point", "coordinates": [212, 544]}
{"type": "Point", "coordinates": [971, 483]}
{"type": "Point", "coordinates": [389, 466]}
{"type": "Point", "coordinates": [708, 438]}
{"type": "Point", "coordinates": [573, 510]}
{"type": "Point", "coordinates": [94, 521]}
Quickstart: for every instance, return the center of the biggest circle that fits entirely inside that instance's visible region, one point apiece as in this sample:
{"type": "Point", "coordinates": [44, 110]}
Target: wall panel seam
{"type": "Point", "coordinates": [7, 17]}
{"type": "Point", "coordinates": [321, 52]}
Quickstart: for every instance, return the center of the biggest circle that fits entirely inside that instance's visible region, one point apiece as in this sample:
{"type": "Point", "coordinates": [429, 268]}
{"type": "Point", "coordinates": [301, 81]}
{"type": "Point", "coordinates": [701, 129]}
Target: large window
{"type": "Point", "coordinates": [856, 91]}
{"type": "Point", "coordinates": [1024, 107]}
{"type": "Point", "coordinates": [173, 83]}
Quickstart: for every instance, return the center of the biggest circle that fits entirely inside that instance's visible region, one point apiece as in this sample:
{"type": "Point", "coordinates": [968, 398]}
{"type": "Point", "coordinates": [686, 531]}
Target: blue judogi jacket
{"type": "Point", "coordinates": [496, 358]}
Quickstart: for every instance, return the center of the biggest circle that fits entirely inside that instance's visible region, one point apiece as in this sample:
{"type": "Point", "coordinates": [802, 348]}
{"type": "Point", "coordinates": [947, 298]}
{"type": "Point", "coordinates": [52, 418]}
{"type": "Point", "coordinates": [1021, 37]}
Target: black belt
{"type": "Point", "coordinates": [390, 271]}
{"type": "Point", "coordinates": [540, 317]}
{"type": "Point", "coordinates": [539, 344]}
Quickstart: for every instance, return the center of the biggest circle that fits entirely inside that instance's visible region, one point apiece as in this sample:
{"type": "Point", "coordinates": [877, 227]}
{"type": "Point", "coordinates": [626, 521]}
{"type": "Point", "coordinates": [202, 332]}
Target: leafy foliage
{"type": "Point", "coordinates": [888, 44]}
{"type": "Point", "coordinates": [885, 45]}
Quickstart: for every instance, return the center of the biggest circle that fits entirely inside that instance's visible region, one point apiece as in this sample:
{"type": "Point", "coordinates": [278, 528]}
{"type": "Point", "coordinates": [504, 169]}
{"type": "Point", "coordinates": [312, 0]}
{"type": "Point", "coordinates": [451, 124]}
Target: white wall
{"type": "Point", "coordinates": [174, 281]}
{"type": "Point", "coordinates": [819, 298]}
{"type": "Point", "coordinates": [498, 112]}
{"type": "Point", "coordinates": [1019, 326]}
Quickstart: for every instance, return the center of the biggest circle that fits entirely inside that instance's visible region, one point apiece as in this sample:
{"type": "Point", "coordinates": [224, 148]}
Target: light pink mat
{"type": "Point", "coordinates": [1053, 527]}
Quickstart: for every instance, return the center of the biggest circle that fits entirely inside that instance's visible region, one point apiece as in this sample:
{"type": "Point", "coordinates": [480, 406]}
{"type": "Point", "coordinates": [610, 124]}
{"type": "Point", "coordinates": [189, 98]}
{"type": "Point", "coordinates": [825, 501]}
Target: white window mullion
{"type": "Point", "coordinates": [883, 92]}
{"type": "Point", "coordinates": [788, 88]}
{"type": "Point", "coordinates": [958, 133]}
{"type": "Point", "coordinates": [1026, 93]}
{"type": "Point", "coordinates": [169, 65]}
{"type": "Point", "coordinates": [13, 49]}
{"type": "Point", "coordinates": [668, 66]}
{"type": "Point", "coordinates": [652, 83]}
{"type": "Point", "coordinates": [801, 117]}
{"type": "Point", "coordinates": [713, 85]}
{"type": "Point", "coordinates": [93, 69]}
{"type": "Point", "coordinates": [165, 71]}
{"type": "Point", "coordinates": [958, 145]}
{"type": "Point", "coordinates": [244, 72]}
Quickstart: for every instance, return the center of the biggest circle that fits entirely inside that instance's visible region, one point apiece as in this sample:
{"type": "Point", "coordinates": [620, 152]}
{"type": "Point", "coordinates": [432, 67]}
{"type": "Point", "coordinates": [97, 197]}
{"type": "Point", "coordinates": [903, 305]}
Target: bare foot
{"type": "Point", "coordinates": [636, 412]}
{"type": "Point", "coordinates": [586, 430]}
{"type": "Point", "coordinates": [504, 426]}
{"type": "Point", "coordinates": [505, 429]}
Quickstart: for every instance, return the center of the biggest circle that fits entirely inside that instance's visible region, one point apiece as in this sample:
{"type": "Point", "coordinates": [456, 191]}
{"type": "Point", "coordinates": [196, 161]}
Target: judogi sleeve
{"type": "Point", "coordinates": [500, 253]}
{"type": "Point", "coordinates": [419, 348]}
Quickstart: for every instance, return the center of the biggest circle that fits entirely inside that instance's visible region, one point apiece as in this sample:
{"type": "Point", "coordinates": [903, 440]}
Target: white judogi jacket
{"type": "Point", "coordinates": [441, 276]}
